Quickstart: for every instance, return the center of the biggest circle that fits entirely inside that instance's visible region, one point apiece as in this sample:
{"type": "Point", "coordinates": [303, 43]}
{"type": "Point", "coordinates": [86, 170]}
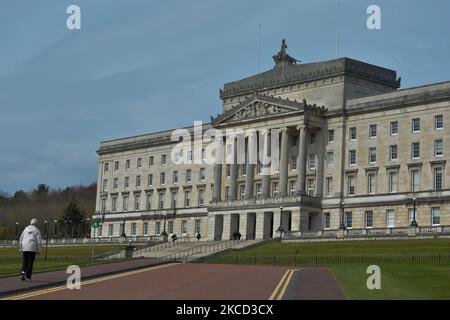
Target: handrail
{"type": "Point", "coordinates": [199, 249]}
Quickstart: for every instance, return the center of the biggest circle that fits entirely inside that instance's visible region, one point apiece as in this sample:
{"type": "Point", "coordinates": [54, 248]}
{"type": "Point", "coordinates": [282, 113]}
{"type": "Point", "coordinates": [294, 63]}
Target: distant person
{"type": "Point", "coordinates": [30, 245]}
{"type": "Point", "coordinates": [198, 236]}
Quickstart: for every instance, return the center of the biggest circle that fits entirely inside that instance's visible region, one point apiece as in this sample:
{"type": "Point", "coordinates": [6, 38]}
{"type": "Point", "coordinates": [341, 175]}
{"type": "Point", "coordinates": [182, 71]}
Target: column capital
{"type": "Point", "coordinates": [302, 126]}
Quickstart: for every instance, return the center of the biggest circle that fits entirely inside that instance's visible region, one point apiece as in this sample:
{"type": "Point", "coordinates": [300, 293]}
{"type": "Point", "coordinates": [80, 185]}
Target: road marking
{"type": "Point", "coordinates": [287, 276]}
{"type": "Point", "coordinates": [87, 282]}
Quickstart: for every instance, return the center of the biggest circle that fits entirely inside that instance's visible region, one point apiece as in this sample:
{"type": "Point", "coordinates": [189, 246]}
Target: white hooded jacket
{"type": "Point", "coordinates": [30, 240]}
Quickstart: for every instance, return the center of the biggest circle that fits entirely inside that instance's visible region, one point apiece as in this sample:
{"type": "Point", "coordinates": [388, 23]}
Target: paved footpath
{"type": "Point", "coordinates": [13, 284]}
{"type": "Point", "coordinates": [201, 282]}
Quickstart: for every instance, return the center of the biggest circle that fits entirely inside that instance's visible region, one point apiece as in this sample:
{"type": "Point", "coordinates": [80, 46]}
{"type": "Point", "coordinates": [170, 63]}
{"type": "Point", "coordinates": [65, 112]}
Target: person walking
{"type": "Point", "coordinates": [30, 244]}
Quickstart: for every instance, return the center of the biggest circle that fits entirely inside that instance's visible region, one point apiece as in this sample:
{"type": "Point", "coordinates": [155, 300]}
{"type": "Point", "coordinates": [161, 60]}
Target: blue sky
{"type": "Point", "coordinates": [139, 66]}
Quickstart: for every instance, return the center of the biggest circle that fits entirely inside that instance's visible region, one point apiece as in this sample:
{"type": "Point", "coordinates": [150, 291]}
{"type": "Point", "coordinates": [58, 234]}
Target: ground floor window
{"type": "Point", "coordinates": [349, 220]}
{"type": "Point", "coordinates": [158, 228]}
{"type": "Point", "coordinates": [390, 218]}
{"type": "Point", "coordinates": [411, 215]}
{"type": "Point", "coordinates": [145, 231]}
{"type": "Point", "coordinates": [133, 229]}
{"type": "Point", "coordinates": [197, 226]}
{"type": "Point", "coordinates": [111, 230]}
{"type": "Point", "coordinates": [170, 227]}
{"type": "Point", "coordinates": [122, 229]}
{"type": "Point", "coordinates": [326, 219]}
{"type": "Point", "coordinates": [184, 227]}
{"type": "Point", "coordinates": [436, 216]}
{"type": "Point", "coordinates": [369, 219]}
{"type": "Point", "coordinates": [100, 230]}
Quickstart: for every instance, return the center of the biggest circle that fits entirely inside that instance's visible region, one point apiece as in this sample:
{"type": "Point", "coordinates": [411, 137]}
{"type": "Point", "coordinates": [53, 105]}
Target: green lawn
{"type": "Point", "coordinates": [57, 257]}
{"type": "Point", "coordinates": [399, 279]}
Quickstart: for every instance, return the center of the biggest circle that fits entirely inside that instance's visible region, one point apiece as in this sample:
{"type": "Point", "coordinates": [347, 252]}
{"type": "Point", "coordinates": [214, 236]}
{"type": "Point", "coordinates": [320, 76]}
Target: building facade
{"type": "Point", "coordinates": [355, 152]}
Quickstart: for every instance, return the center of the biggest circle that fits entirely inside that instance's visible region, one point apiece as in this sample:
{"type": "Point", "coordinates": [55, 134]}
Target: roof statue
{"type": "Point", "coordinates": [282, 56]}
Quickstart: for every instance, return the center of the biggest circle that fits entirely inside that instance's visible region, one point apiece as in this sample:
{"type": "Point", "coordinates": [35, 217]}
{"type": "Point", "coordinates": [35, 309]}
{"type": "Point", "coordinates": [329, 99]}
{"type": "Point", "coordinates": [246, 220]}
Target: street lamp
{"type": "Point", "coordinates": [56, 230]}
{"type": "Point", "coordinates": [46, 228]}
{"type": "Point", "coordinates": [87, 226]}
{"type": "Point", "coordinates": [342, 225]}
{"type": "Point", "coordinates": [280, 228]}
{"type": "Point", "coordinates": [17, 229]}
{"type": "Point", "coordinates": [414, 222]}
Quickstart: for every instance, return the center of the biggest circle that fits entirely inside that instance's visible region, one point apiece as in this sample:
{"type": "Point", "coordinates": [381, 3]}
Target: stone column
{"type": "Point", "coordinates": [265, 187]}
{"type": "Point", "coordinates": [319, 165]}
{"type": "Point", "coordinates": [243, 225]}
{"type": "Point", "coordinates": [276, 223]}
{"type": "Point", "coordinates": [259, 234]}
{"type": "Point", "coordinates": [284, 162]}
{"type": "Point", "coordinates": [226, 231]}
{"type": "Point", "coordinates": [250, 170]}
{"type": "Point", "coordinates": [218, 172]}
{"type": "Point", "coordinates": [234, 169]}
{"type": "Point", "coordinates": [301, 160]}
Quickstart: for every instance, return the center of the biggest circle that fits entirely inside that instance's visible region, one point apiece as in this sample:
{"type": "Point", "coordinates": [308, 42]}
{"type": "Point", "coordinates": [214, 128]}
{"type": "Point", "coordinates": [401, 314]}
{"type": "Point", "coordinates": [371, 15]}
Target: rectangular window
{"type": "Point", "coordinates": [326, 219]}
{"type": "Point", "coordinates": [438, 148]}
{"type": "Point", "coordinates": [137, 203]}
{"type": "Point", "coordinates": [106, 167]}
{"type": "Point", "coordinates": [121, 229]}
{"type": "Point", "coordinates": [183, 227]}
{"type": "Point", "coordinates": [352, 133]}
{"type": "Point", "coordinates": [393, 181]}
{"type": "Point", "coordinates": [158, 228]}
{"type": "Point", "coordinates": [438, 175]}
{"type": "Point", "coordinates": [258, 190]}
{"type": "Point", "coordinates": [241, 191]}
{"type": "Point", "coordinates": [369, 219]}
{"type": "Point", "coordinates": [100, 231]}
{"type": "Point", "coordinates": [329, 186]}
{"type": "Point", "coordinates": [188, 175]}
{"type": "Point", "coordinates": [293, 163]}
{"type": "Point", "coordinates": [138, 182]}
{"type": "Point", "coordinates": [175, 177]}
{"type": "Point", "coordinates": [189, 156]}
{"type": "Point", "coordinates": [198, 226]}
{"type": "Point", "coordinates": [116, 183]}
{"type": "Point", "coordinates": [127, 164]}
{"type": "Point", "coordinates": [411, 215]}
{"type": "Point", "coordinates": [125, 203]}
{"type": "Point", "coordinates": [161, 200]}
{"type": "Point", "coordinates": [294, 140]}
{"type": "Point", "coordinates": [311, 187]}
{"type": "Point", "coordinates": [151, 161]}
{"type": "Point", "coordinates": [145, 229]}
{"type": "Point", "coordinates": [162, 178]}
{"type": "Point", "coordinates": [390, 218]}
{"type": "Point", "coordinates": [228, 170]}
{"type": "Point", "coordinates": [203, 154]}
{"type": "Point", "coordinates": [275, 189]}
{"type": "Point", "coordinates": [330, 136]}
{"type": "Point", "coordinates": [163, 159]}
{"type": "Point", "coordinates": [436, 216]}
{"type": "Point", "coordinates": [201, 197]}
{"type": "Point", "coordinates": [372, 131]}
{"type": "Point", "coordinates": [351, 185]}
{"type": "Point", "coordinates": [116, 166]}
{"type": "Point", "coordinates": [103, 205]}
{"type": "Point", "coordinates": [133, 229]}
{"type": "Point", "coordinates": [105, 185]}
{"type": "Point", "coordinates": [394, 128]}
{"type": "Point", "coordinates": [348, 220]}
{"type": "Point", "coordinates": [415, 150]}
{"type": "Point", "coordinates": [330, 159]}
{"type": "Point", "coordinates": [139, 163]}
{"type": "Point", "coordinates": [415, 180]}
{"type": "Point", "coordinates": [371, 183]}
{"type": "Point", "coordinates": [372, 155]}
{"type": "Point", "coordinates": [439, 122]}
{"type": "Point", "coordinates": [114, 204]}
{"type": "Point", "coordinates": [187, 198]}
{"type": "Point", "coordinates": [148, 201]}
{"type": "Point", "coordinates": [227, 193]}
{"type": "Point", "coordinates": [312, 161]}
{"type": "Point", "coordinates": [127, 182]}
{"type": "Point", "coordinates": [170, 227]}
{"type": "Point", "coordinates": [292, 188]}
{"type": "Point", "coordinates": [393, 152]}
{"type": "Point", "coordinates": [111, 230]}
{"type": "Point", "coordinates": [352, 157]}
{"type": "Point", "coordinates": [415, 126]}
{"type": "Point", "coordinates": [173, 199]}
{"type": "Point", "coordinates": [202, 174]}
{"type": "Point", "coordinates": [150, 179]}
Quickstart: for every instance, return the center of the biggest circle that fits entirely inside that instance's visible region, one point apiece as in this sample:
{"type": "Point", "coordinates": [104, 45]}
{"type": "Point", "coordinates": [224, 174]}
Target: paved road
{"type": "Point", "coordinates": [202, 282]}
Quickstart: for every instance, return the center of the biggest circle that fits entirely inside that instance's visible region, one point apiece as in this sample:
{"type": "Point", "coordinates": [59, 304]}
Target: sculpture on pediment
{"type": "Point", "coordinates": [257, 109]}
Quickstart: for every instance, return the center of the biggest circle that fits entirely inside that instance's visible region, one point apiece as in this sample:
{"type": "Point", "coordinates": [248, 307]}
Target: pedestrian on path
{"type": "Point", "coordinates": [30, 245]}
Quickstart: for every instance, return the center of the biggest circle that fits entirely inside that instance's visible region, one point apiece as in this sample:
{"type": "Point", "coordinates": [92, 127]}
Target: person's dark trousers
{"type": "Point", "coordinates": [27, 263]}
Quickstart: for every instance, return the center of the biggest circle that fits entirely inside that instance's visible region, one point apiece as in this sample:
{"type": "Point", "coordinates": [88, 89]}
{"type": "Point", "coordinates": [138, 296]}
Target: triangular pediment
{"type": "Point", "coordinates": [259, 106]}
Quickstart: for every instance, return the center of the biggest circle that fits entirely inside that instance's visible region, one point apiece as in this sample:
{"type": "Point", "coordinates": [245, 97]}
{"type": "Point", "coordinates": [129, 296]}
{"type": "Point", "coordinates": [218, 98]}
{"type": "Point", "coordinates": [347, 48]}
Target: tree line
{"type": "Point", "coordinates": [66, 211]}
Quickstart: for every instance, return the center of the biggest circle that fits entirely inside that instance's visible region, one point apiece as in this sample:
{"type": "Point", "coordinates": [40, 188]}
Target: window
{"type": "Point", "coordinates": [292, 188]}
{"type": "Point", "coordinates": [258, 190]}
{"type": "Point", "coordinates": [150, 179]}
{"type": "Point", "coordinates": [151, 161]}
{"type": "Point", "coordinates": [312, 161]}
{"type": "Point", "coordinates": [330, 159]}
{"type": "Point", "coordinates": [127, 164]}
{"type": "Point", "coordinates": [411, 215]}
{"type": "Point", "coordinates": [241, 191]}
{"type": "Point", "coordinates": [189, 155]}
{"type": "Point", "coordinates": [330, 136]}
{"type": "Point", "coordinates": [293, 163]}
{"type": "Point", "coordinates": [116, 166]}
{"type": "Point", "coordinates": [103, 206]}
{"type": "Point", "coordinates": [228, 170]}
{"type": "Point", "coordinates": [148, 201]}
{"type": "Point", "coordinates": [187, 198]}
{"type": "Point", "coordinates": [202, 174]}
{"type": "Point", "coordinates": [371, 183]}
{"type": "Point", "coordinates": [415, 126]}
{"type": "Point", "coordinates": [311, 187]}
{"type": "Point", "coordinates": [369, 219]}
{"type": "Point", "coordinates": [415, 180]}
{"type": "Point", "coordinates": [352, 157]}
{"type": "Point", "coordinates": [438, 179]}
{"type": "Point", "coordinates": [348, 220]}
{"type": "Point", "coordinates": [198, 226]}
{"type": "Point", "coordinates": [439, 122]}
{"type": "Point", "coordinates": [353, 133]}
{"type": "Point", "coordinates": [137, 203]}
{"type": "Point", "coordinates": [372, 155]}
{"type": "Point", "coordinates": [175, 177]}
{"type": "Point", "coordinates": [158, 228]}
{"type": "Point", "coordinates": [114, 204]}
{"type": "Point", "coordinates": [438, 148]}
{"type": "Point", "coordinates": [326, 219]}
{"type": "Point", "coordinates": [100, 231]}
{"type": "Point", "coordinates": [162, 178]}
{"type": "Point", "coordinates": [173, 199]}
{"type": "Point", "coordinates": [184, 227]}
{"type": "Point", "coordinates": [275, 189]}
{"type": "Point", "coordinates": [111, 230]}
{"type": "Point", "coordinates": [163, 159]}
{"type": "Point", "coordinates": [105, 185]}
{"type": "Point", "coordinates": [351, 185]}
{"type": "Point", "coordinates": [294, 141]}
{"type": "Point", "coordinates": [392, 181]}
{"type": "Point", "coordinates": [170, 227]}
{"type": "Point", "coordinates": [415, 150]}
{"type": "Point", "coordinates": [373, 131]}
{"type": "Point", "coordinates": [394, 128]}
{"type": "Point", "coordinates": [436, 216]}
{"type": "Point", "coordinates": [145, 229]}
{"type": "Point", "coordinates": [139, 163]}
{"type": "Point", "coordinates": [116, 183]}
{"type": "Point", "coordinates": [393, 152]}
{"type": "Point", "coordinates": [227, 193]}
{"type": "Point", "coordinates": [203, 154]}
{"type": "Point", "coordinates": [138, 182]}
{"type": "Point", "coordinates": [133, 229]}
{"type": "Point", "coordinates": [106, 167]}
{"type": "Point", "coordinates": [127, 183]}
{"type": "Point", "coordinates": [125, 203]}
{"type": "Point", "coordinates": [329, 186]}
{"type": "Point", "coordinates": [188, 175]}
{"type": "Point", "coordinates": [121, 229]}
{"type": "Point", "coordinates": [201, 197]}
{"type": "Point", "coordinates": [161, 200]}
{"type": "Point", "coordinates": [390, 218]}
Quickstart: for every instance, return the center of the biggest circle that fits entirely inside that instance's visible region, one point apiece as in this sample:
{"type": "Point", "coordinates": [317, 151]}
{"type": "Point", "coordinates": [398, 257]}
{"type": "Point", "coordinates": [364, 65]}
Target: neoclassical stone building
{"type": "Point", "coordinates": [355, 151]}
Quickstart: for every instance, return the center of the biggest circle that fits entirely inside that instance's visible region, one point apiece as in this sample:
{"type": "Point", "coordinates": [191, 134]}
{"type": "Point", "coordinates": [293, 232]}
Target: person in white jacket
{"type": "Point", "coordinates": [30, 244]}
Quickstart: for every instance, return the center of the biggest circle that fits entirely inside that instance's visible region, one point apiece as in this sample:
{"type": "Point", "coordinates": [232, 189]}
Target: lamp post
{"type": "Point", "coordinates": [280, 228]}
{"type": "Point", "coordinates": [47, 227]}
{"type": "Point", "coordinates": [87, 227]}
{"type": "Point", "coordinates": [17, 229]}
{"type": "Point", "coordinates": [56, 229]}
{"type": "Point", "coordinates": [414, 222]}
{"type": "Point", "coordinates": [342, 225]}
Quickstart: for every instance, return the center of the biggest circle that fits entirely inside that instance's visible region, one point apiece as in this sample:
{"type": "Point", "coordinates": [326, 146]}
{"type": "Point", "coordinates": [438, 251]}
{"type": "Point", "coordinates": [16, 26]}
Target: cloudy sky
{"type": "Point", "coordinates": [139, 66]}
